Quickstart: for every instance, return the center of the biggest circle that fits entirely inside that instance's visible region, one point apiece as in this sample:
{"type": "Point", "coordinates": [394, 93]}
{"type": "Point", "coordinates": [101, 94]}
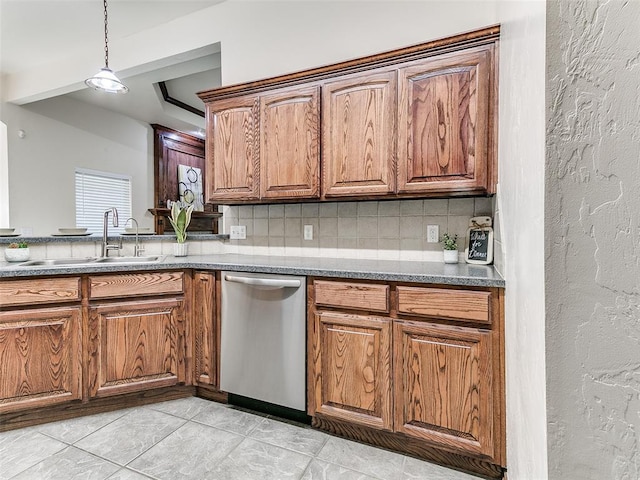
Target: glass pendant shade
{"type": "Point", "coordinates": [107, 81]}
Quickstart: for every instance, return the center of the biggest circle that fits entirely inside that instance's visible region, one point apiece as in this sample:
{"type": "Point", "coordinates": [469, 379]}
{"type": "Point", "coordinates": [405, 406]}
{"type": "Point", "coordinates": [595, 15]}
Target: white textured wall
{"type": "Point", "coordinates": [593, 239]}
{"type": "Point", "coordinates": [60, 135]}
{"type": "Point", "coordinates": [4, 178]}
{"type": "Point", "coordinates": [309, 34]}
{"type": "Point", "coordinates": [520, 207]}
{"type": "Point", "coordinates": [265, 37]}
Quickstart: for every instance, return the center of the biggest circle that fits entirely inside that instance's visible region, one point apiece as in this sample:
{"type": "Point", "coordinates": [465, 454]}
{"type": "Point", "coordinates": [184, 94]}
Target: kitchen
{"type": "Point", "coordinates": [331, 40]}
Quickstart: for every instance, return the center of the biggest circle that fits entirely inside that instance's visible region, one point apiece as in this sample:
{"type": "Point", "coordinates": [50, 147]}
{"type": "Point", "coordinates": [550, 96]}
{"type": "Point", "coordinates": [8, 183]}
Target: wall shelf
{"type": "Point", "coordinates": [200, 221]}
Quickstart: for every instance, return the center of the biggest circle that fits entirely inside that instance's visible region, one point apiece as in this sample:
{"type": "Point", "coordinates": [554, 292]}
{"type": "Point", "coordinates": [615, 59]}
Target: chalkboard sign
{"type": "Point", "coordinates": [479, 249]}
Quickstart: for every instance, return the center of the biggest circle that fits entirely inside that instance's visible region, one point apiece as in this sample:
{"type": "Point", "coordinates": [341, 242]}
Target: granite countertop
{"type": "Point", "coordinates": [462, 274]}
{"type": "Point", "coordinates": [143, 237]}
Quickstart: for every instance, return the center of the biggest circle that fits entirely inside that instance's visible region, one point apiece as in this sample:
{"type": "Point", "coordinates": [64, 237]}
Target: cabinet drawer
{"type": "Point", "coordinates": [135, 285]}
{"type": "Point", "coordinates": [360, 296]}
{"type": "Point", "coordinates": [39, 291]}
{"type": "Point", "coordinates": [443, 303]}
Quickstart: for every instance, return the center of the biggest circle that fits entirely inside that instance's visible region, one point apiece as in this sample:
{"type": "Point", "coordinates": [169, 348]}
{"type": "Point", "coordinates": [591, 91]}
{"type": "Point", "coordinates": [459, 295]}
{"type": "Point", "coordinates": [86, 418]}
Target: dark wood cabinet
{"type": "Point", "coordinates": [415, 368]}
{"type": "Point", "coordinates": [41, 357]}
{"type": "Point", "coordinates": [352, 368]}
{"type": "Point", "coordinates": [444, 125]}
{"type": "Point", "coordinates": [133, 346]}
{"type": "Point", "coordinates": [40, 342]}
{"type": "Point", "coordinates": [443, 385]}
{"type": "Point", "coordinates": [232, 149]}
{"type": "Point", "coordinates": [359, 135]}
{"type": "Point", "coordinates": [412, 123]}
{"type": "Point", "coordinates": [205, 329]}
{"type": "Point", "coordinates": [289, 143]}
{"type": "Point", "coordinates": [171, 149]}
{"type": "Point", "coordinates": [136, 341]}
{"type": "Point", "coordinates": [264, 147]}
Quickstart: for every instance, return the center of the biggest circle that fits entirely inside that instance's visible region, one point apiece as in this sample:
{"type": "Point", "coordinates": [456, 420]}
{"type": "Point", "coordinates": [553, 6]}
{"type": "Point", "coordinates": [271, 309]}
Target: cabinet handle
{"type": "Point", "coordinates": [263, 282]}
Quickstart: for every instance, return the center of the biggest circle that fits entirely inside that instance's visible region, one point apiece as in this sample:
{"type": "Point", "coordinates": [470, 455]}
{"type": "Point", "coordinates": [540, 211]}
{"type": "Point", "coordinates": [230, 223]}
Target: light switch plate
{"type": "Point", "coordinates": [433, 233]}
{"type": "Point", "coordinates": [238, 232]}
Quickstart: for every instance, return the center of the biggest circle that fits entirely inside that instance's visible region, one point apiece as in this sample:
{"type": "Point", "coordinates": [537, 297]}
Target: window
{"type": "Point", "coordinates": [97, 192]}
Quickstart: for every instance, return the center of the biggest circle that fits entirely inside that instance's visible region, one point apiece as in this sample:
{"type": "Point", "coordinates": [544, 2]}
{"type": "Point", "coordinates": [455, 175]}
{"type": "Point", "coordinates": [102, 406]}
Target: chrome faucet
{"type": "Point", "coordinates": [105, 233]}
{"type": "Point", "coordinates": [137, 249]}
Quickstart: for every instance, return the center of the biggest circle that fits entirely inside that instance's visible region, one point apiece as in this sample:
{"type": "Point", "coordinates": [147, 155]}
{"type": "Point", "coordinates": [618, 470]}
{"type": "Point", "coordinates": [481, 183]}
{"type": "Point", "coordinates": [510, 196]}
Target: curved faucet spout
{"type": "Point", "coordinates": [105, 232]}
{"type": "Point", "coordinates": [114, 212]}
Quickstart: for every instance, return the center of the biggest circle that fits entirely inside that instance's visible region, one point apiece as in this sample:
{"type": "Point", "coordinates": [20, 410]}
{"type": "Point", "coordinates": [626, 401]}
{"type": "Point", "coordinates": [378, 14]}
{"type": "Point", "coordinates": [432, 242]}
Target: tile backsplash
{"type": "Point", "coordinates": [385, 230]}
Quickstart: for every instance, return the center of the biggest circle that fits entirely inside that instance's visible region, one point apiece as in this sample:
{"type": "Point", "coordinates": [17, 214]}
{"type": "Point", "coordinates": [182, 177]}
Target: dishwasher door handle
{"type": "Point", "coordinates": [263, 282]}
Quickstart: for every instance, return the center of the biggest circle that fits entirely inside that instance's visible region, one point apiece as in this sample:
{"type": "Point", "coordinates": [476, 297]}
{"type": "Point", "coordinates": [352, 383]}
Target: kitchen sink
{"type": "Point", "coordinates": [58, 262]}
{"type": "Point", "coordinates": [61, 262]}
{"type": "Point", "coordinates": [125, 260]}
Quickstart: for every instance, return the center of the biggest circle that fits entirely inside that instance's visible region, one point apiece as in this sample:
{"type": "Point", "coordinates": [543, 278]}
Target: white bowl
{"type": "Point", "coordinates": [7, 231]}
{"type": "Point", "coordinates": [72, 231]}
{"type": "Point", "coordinates": [16, 254]}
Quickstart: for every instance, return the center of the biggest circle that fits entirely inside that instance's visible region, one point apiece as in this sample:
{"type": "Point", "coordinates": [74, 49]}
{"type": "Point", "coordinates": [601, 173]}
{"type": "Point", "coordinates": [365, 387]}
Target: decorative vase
{"type": "Point", "coordinates": [16, 254]}
{"type": "Point", "coordinates": [180, 250]}
{"type": "Point", "coordinates": [450, 256]}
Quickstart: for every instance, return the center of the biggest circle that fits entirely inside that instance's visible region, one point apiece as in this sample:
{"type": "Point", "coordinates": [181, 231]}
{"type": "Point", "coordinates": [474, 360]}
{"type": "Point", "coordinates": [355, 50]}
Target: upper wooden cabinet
{"type": "Point", "coordinates": [232, 149]}
{"type": "Point", "coordinates": [264, 147]}
{"type": "Point", "coordinates": [414, 122]}
{"type": "Point", "coordinates": [289, 144]}
{"type": "Point", "coordinates": [358, 135]}
{"type": "Point", "coordinates": [443, 123]}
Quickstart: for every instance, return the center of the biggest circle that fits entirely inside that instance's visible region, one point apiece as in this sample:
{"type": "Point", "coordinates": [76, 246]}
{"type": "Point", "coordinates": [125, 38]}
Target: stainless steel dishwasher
{"type": "Point", "coordinates": [262, 354]}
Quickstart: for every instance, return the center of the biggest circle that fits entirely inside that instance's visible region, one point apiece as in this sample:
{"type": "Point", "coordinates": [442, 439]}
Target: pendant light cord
{"type": "Point", "coordinates": [106, 39]}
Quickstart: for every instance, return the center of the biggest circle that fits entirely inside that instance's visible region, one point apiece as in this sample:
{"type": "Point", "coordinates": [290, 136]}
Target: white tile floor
{"type": "Point", "coordinates": [197, 439]}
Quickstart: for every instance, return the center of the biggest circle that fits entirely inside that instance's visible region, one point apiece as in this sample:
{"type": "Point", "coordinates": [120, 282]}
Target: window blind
{"type": "Point", "coordinates": [97, 192]}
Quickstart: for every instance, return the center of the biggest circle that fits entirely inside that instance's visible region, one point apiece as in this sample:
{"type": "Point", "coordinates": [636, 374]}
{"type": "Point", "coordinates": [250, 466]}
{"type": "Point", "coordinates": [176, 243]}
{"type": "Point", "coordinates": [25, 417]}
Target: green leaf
{"type": "Point", "coordinates": [180, 219]}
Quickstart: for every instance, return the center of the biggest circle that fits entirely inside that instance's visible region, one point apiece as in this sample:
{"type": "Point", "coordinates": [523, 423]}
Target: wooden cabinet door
{"type": "Point", "coordinates": [133, 346]}
{"type": "Point", "coordinates": [289, 147]}
{"type": "Point", "coordinates": [443, 385]}
{"type": "Point", "coordinates": [443, 124]}
{"type": "Point", "coordinates": [205, 327]}
{"type": "Point", "coordinates": [359, 135]}
{"type": "Point", "coordinates": [351, 377]}
{"type": "Point", "coordinates": [232, 149]}
{"type": "Point", "coordinates": [41, 357]}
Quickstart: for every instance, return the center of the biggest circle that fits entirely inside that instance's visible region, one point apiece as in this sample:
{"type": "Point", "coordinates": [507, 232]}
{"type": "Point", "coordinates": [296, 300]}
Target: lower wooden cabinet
{"type": "Point", "coordinates": [352, 368]}
{"type": "Point", "coordinates": [134, 346]}
{"type": "Point", "coordinates": [41, 357]}
{"type": "Point", "coordinates": [443, 385]}
{"type": "Point", "coordinates": [426, 377]}
{"type": "Point", "coordinates": [205, 329]}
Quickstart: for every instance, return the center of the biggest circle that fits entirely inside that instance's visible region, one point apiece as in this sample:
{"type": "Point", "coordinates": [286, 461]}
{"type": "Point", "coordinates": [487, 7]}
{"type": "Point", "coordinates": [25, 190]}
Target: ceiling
{"type": "Point", "coordinates": [37, 32]}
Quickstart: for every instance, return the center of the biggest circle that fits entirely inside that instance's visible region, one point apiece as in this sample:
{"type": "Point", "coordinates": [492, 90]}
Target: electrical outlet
{"type": "Point", "coordinates": [308, 232]}
{"type": "Point", "coordinates": [238, 232]}
{"type": "Point", "coordinates": [433, 234]}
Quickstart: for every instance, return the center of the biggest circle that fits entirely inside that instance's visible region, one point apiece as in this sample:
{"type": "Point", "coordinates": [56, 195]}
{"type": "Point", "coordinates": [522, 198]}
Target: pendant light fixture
{"type": "Point", "coordinates": [105, 79]}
